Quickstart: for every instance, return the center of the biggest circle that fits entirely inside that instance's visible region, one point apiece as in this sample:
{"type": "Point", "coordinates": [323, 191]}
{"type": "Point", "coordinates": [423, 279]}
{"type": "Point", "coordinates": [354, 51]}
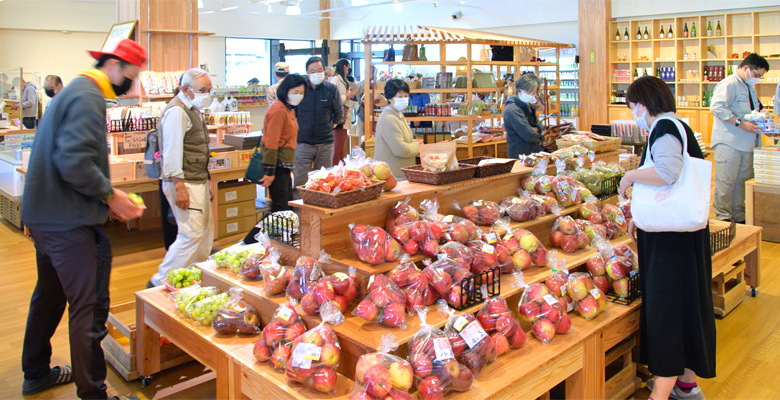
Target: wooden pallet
{"type": "Point", "coordinates": [728, 290]}
{"type": "Point", "coordinates": [10, 210]}
{"type": "Point", "coordinates": [119, 346]}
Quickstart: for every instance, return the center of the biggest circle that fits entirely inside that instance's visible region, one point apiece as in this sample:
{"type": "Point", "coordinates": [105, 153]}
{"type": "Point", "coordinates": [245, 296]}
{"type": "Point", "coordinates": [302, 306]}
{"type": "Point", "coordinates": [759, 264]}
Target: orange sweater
{"type": "Point", "coordinates": [280, 132]}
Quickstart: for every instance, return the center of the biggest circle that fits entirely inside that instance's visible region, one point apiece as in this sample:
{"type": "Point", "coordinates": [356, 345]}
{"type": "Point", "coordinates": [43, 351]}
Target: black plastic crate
{"type": "Point", "coordinates": [609, 187]}
{"type": "Point", "coordinates": [281, 229]}
{"type": "Point", "coordinates": [721, 239]}
{"type": "Point", "coordinates": [471, 288]}
{"type": "Point", "coordinates": [633, 291]}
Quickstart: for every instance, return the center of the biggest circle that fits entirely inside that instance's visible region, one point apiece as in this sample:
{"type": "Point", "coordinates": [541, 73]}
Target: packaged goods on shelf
{"type": "Point", "coordinates": [764, 121]}
{"type": "Point", "coordinates": [629, 131]}
{"type": "Point", "coordinates": [228, 118]}
{"type": "Point", "coordinates": [155, 83]}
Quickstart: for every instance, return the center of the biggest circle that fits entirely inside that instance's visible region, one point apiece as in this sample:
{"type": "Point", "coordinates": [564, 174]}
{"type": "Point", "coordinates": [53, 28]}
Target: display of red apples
{"type": "Point", "coordinates": [316, 354]}
{"type": "Point", "coordinates": [480, 212]}
{"type": "Point", "coordinates": [385, 303]}
{"type": "Point", "coordinates": [504, 330]}
{"type": "Point", "coordinates": [521, 209]}
{"type": "Point", "coordinates": [275, 344]}
{"type": "Point", "coordinates": [382, 375]}
{"type": "Point", "coordinates": [526, 249]}
{"type": "Point", "coordinates": [339, 288]}
{"type": "Point", "coordinates": [401, 213]}
{"type": "Point", "coordinates": [591, 301]}
{"type": "Point", "coordinates": [470, 343]}
{"type": "Point", "coordinates": [545, 311]}
{"type": "Point", "coordinates": [415, 285]}
{"type": "Point", "coordinates": [419, 237]}
{"type": "Point", "coordinates": [445, 276]}
{"type": "Point", "coordinates": [373, 245]}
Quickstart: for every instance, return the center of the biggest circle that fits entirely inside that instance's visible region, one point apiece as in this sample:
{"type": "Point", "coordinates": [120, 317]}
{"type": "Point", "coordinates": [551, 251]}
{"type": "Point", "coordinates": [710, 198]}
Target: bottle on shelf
{"type": "Point", "coordinates": [638, 33]}
{"type": "Point", "coordinates": [644, 71]}
{"type": "Point", "coordinates": [685, 31]}
{"type": "Point", "coordinates": [646, 36]}
{"type": "Point", "coordinates": [709, 28]}
{"type": "Point", "coordinates": [706, 75]}
{"type": "Point", "coordinates": [617, 35]}
{"type": "Point", "coordinates": [693, 30]}
{"type": "Point", "coordinates": [636, 73]}
{"type": "Point", "coordinates": [662, 34]}
{"type": "Point", "coordinates": [731, 71]}
{"type": "Point", "coordinates": [717, 30]}
{"type": "Point", "coordinates": [670, 34]}
{"type": "Point", "coordinates": [658, 73]}
{"type": "Point", "coordinates": [625, 35]}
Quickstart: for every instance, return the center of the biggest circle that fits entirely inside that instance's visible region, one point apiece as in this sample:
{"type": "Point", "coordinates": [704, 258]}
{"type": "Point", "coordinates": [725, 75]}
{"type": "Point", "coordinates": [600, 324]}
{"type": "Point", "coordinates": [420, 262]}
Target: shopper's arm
{"type": "Point", "coordinates": [517, 124]}
{"type": "Point", "coordinates": [272, 132]}
{"type": "Point", "coordinates": [722, 97]}
{"type": "Point", "coordinates": [667, 158]}
{"type": "Point", "coordinates": [175, 123]}
{"type": "Point", "coordinates": [28, 97]}
{"type": "Point", "coordinates": [393, 133]}
{"type": "Point", "coordinates": [338, 110]}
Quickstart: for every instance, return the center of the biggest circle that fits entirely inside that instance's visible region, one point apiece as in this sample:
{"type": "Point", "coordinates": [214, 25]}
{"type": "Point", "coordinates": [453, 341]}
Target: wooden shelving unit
{"type": "Point", "coordinates": [757, 32]}
{"type": "Point", "coordinates": [422, 35]}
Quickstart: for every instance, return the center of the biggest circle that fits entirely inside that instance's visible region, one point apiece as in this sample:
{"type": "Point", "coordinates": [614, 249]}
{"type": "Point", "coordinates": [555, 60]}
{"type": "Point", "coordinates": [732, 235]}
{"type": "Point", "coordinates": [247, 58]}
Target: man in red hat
{"type": "Point", "coordinates": [67, 197]}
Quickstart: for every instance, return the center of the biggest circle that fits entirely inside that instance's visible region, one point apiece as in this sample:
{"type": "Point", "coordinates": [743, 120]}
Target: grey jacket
{"type": "Point", "coordinates": [519, 121]}
{"type": "Point", "coordinates": [68, 174]}
{"type": "Point", "coordinates": [732, 98]}
{"type": "Point", "coordinates": [318, 113]}
{"type": "Point", "coordinates": [29, 101]}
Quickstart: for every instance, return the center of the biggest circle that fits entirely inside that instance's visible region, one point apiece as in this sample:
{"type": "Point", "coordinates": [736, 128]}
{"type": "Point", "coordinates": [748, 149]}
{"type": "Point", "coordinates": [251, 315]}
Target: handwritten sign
{"type": "Point", "coordinates": [238, 129]}
{"type": "Point", "coordinates": [135, 140]}
{"type": "Point", "coordinates": [122, 30]}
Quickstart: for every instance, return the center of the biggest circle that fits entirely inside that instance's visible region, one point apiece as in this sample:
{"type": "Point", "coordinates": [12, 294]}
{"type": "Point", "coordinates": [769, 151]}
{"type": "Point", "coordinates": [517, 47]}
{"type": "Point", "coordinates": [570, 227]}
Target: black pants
{"type": "Point", "coordinates": [169, 227]}
{"type": "Point", "coordinates": [281, 190]}
{"type": "Point", "coordinates": [29, 122]}
{"type": "Point", "coordinates": [74, 268]}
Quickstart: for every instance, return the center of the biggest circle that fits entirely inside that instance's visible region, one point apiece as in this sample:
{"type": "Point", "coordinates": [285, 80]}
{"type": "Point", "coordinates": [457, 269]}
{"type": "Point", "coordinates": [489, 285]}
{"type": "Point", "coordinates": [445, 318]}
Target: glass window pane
{"type": "Point", "coordinates": [296, 44]}
{"type": "Point", "coordinates": [297, 63]}
{"type": "Point", "coordinates": [246, 59]}
{"type": "Point", "coordinates": [345, 46]}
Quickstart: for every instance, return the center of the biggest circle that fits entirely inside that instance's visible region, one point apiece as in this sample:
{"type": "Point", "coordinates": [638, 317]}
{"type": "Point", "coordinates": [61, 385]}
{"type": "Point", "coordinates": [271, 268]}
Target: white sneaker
{"type": "Point", "coordinates": [677, 393]}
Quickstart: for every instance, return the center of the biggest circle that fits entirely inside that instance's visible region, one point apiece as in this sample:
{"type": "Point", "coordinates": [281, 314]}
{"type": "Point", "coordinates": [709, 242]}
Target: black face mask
{"type": "Point", "coordinates": [124, 87]}
{"type": "Point", "coordinates": [49, 92]}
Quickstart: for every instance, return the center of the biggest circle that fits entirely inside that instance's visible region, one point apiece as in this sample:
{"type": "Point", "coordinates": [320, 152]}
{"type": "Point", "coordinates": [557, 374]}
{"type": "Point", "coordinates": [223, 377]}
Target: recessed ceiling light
{"type": "Point", "coordinates": [229, 8]}
{"type": "Point", "coordinates": [200, 3]}
{"type": "Point", "coordinates": [207, 12]}
{"type": "Point", "coordinates": [293, 8]}
{"type": "Point", "coordinates": [269, 8]}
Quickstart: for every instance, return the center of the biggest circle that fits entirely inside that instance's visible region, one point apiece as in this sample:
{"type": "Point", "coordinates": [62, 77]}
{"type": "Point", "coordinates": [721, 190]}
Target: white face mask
{"type": "Point", "coordinates": [317, 78]}
{"type": "Point", "coordinates": [751, 80]}
{"type": "Point", "coordinates": [525, 97]}
{"type": "Point", "coordinates": [400, 103]}
{"type": "Point", "coordinates": [201, 100]}
{"type": "Point", "coordinates": [294, 99]}
{"type": "Point", "coordinates": [641, 121]}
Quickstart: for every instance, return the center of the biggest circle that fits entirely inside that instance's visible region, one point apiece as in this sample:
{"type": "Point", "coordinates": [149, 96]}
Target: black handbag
{"type": "Point", "coordinates": [503, 53]}
{"type": "Point", "coordinates": [389, 55]}
{"type": "Point", "coordinates": [256, 170]}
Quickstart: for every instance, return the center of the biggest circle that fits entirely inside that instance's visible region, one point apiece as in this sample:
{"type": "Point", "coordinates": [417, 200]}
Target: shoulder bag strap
{"type": "Point", "coordinates": [683, 136]}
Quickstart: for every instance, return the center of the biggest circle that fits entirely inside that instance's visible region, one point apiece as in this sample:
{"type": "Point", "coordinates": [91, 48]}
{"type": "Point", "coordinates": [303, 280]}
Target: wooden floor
{"type": "Point", "coordinates": [748, 338]}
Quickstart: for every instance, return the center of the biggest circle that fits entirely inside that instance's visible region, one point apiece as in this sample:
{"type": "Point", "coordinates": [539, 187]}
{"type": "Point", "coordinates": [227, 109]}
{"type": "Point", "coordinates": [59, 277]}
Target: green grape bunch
{"type": "Point", "coordinates": [192, 294]}
{"type": "Point", "coordinates": [204, 311]}
{"type": "Point", "coordinates": [183, 277]}
{"type": "Point", "coordinates": [231, 259]}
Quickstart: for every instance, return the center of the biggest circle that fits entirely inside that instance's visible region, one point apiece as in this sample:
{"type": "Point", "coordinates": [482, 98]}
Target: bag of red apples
{"type": "Point", "coordinates": [524, 247]}
{"type": "Point", "coordinates": [538, 182]}
{"type": "Point", "coordinates": [484, 256]}
{"type": "Point", "coordinates": [316, 353]}
{"type": "Point", "coordinates": [591, 301]}
{"type": "Point", "coordinates": [436, 371]}
{"type": "Point", "coordinates": [275, 344]}
{"type": "Point", "coordinates": [381, 375]}
{"type": "Point", "coordinates": [373, 244]}
{"type": "Point", "coordinates": [236, 316]}
{"type": "Point", "coordinates": [558, 280]}
{"type": "Point", "coordinates": [469, 341]}
{"type": "Point", "coordinates": [275, 276]}
{"type": "Point", "coordinates": [401, 213]}
{"type": "Point", "coordinates": [480, 212]}
{"type": "Point", "coordinates": [385, 303]}
{"type": "Point", "coordinates": [339, 288]}
{"type": "Point", "coordinates": [566, 236]}
{"type": "Point", "coordinates": [545, 311]}
{"type": "Point", "coordinates": [445, 277]}
{"type": "Point", "coordinates": [306, 273]}
{"type": "Point", "coordinates": [620, 265]}
{"type": "Point", "coordinates": [614, 220]}
{"type": "Point", "coordinates": [497, 321]}
{"type": "Point", "coordinates": [250, 267]}
{"type": "Point", "coordinates": [419, 237]}
{"type": "Point", "coordinates": [523, 208]}
{"type": "Point", "coordinates": [457, 229]}
{"type": "Point", "coordinates": [414, 283]}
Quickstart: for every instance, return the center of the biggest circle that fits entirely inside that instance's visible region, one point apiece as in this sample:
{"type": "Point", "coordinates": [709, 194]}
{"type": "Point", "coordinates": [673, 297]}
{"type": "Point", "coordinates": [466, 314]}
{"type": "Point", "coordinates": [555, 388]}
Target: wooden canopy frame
{"type": "Point", "coordinates": [418, 34]}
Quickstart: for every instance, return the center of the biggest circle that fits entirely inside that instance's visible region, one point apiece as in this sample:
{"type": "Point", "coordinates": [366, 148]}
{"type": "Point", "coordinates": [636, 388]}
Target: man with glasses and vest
{"type": "Point", "coordinates": [734, 139]}
{"type": "Point", "coordinates": [184, 140]}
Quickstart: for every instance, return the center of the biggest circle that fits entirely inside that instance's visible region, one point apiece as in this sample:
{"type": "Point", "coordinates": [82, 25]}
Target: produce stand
{"type": "Point", "coordinates": [760, 208]}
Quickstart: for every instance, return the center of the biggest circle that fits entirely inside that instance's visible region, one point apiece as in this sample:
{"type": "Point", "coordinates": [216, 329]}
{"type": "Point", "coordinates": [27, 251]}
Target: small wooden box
{"type": "Point", "coordinates": [236, 226]}
{"type": "Point", "coordinates": [236, 192]}
{"type": "Point", "coordinates": [729, 290]}
{"type": "Point", "coordinates": [122, 170]}
{"type": "Point", "coordinates": [236, 210]}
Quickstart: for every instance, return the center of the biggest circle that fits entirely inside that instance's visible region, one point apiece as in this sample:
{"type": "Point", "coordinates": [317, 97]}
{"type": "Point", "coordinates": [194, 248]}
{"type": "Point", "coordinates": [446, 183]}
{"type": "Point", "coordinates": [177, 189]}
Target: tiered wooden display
{"type": "Point", "coordinates": [740, 32]}
{"type": "Point", "coordinates": [473, 41]}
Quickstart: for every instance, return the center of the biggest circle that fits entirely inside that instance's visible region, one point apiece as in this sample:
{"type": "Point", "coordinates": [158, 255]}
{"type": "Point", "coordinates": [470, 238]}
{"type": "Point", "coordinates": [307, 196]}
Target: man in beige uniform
{"type": "Point", "coordinates": [185, 159]}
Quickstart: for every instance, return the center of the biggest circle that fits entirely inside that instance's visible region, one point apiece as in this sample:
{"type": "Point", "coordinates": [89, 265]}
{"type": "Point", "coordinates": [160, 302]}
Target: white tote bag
{"type": "Point", "coordinates": [683, 206]}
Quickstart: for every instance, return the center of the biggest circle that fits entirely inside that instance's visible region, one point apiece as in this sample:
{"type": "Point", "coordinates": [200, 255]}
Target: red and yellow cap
{"type": "Point", "coordinates": [125, 49]}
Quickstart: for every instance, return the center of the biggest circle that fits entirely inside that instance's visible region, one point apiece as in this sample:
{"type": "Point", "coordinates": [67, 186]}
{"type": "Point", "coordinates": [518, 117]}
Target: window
{"type": "Point", "coordinates": [246, 59]}
{"type": "Point", "coordinates": [298, 62]}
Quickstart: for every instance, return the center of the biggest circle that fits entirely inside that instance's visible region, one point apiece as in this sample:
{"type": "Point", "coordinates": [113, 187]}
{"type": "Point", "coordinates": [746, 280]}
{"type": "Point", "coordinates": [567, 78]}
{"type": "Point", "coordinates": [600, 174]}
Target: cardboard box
{"type": "Point", "coordinates": [236, 210]}
{"type": "Point", "coordinates": [244, 141]}
{"type": "Point", "coordinates": [224, 161]}
{"type": "Point", "coordinates": [236, 226]}
{"type": "Point", "coordinates": [235, 192]}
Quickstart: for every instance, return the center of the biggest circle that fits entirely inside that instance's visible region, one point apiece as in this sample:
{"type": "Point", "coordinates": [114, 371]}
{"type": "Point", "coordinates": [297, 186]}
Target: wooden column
{"type": "Point", "coordinates": [594, 16]}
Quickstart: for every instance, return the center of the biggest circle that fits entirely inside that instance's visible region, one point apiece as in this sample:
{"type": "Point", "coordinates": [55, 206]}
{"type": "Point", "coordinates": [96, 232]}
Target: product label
{"type": "Point", "coordinates": [473, 333]}
{"type": "Point", "coordinates": [550, 299]}
{"type": "Point", "coordinates": [491, 237]}
{"type": "Point", "coordinates": [437, 161]}
{"type": "Point", "coordinates": [460, 322]}
{"type": "Point", "coordinates": [284, 313]}
{"type": "Point", "coordinates": [370, 281]}
{"type": "Point", "coordinates": [442, 348]}
{"type": "Point", "coordinates": [448, 219]}
{"type": "Point", "coordinates": [619, 219]}
{"type": "Point", "coordinates": [231, 195]}
{"type": "Point", "coordinates": [565, 186]}
{"type": "Point", "coordinates": [232, 227]}
{"type": "Point", "coordinates": [595, 293]}
{"type": "Point", "coordinates": [486, 248]}
{"type": "Point", "coordinates": [231, 212]}
{"type": "Point", "coordinates": [341, 276]}
{"type": "Point", "coordinates": [304, 354]}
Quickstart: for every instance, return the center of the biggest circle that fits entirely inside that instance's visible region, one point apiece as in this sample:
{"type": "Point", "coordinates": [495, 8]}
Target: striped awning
{"type": "Point", "coordinates": [429, 34]}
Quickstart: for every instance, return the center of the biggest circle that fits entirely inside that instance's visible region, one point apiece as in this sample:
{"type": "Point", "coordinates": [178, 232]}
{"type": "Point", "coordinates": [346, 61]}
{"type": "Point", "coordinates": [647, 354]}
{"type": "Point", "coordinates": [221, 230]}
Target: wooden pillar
{"type": "Point", "coordinates": [594, 17]}
{"type": "Point", "coordinates": [324, 21]}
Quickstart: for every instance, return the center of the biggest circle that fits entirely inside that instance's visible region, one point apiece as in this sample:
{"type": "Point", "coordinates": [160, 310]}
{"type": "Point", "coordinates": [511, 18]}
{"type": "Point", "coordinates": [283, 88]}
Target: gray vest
{"type": "Point", "coordinates": [195, 160]}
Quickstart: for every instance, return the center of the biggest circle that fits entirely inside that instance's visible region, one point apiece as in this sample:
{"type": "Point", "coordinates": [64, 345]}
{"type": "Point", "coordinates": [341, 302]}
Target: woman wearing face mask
{"type": "Point", "coordinates": [340, 133]}
{"type": "Point", "coordinates": [280, 131]}
{"type": "Point", "coordinates": [395, 143]}
{"type": "Point", "coordinates": [523, 130]}
{"type": "Point", "coordinates": [677, 323]}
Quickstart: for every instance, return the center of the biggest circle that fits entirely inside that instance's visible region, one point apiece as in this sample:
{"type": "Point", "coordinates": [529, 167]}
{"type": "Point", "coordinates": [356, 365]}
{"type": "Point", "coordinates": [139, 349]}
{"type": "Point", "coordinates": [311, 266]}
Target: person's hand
{"type": "Point", "coordinates": [349, 94]}
{"type": "Point", "coordinates": [14, 106]}
{"type": "Point", "coordinates": [625, 183]}
{"type": "Point", "coordinates": [749, 127]}
{"type": "Point", "coordinates": [123, 208]}
{"type": "Point", "coordinates": [182, 196]}
{"type": "Point", "coordinates": [267, 180]}
{"type": "Point", "coordinates": [632, 230]}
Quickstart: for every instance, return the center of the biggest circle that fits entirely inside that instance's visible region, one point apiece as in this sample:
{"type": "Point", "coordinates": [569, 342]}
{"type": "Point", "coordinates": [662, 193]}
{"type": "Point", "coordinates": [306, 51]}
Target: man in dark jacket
{"type": "Point", "coordinates": [67, 196]}
{"type": "Point", "coordinates": [317, 114]}
{"type": "Point", "coordinates": [523, 130]}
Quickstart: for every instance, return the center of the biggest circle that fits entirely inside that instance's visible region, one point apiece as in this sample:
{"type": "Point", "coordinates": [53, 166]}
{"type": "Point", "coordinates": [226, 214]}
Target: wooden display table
{"type": "Point", "coordinates": [13, 130]}
{"type": "Point", "coordinates": [761, 210]}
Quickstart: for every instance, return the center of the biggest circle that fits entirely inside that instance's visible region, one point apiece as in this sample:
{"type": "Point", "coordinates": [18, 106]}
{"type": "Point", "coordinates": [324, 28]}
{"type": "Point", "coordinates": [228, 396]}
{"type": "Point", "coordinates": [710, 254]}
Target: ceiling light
{"type": "Point", "coordinates": [207, 12]}
{"type": "Point", "coordinates": [398, 7]}
{"type": "Point", "coordinates": [462, 1]}
{"type": "Point", "coordinates": [200, 3]}
{"type": "Point", "coordinates": [293, 8]}
{"type": "Point", "coordinates": [435, 4]}
{"type": "Point", "coordinates": [269, 8]}
{"type": "Point", "coordinates": [229, 8]}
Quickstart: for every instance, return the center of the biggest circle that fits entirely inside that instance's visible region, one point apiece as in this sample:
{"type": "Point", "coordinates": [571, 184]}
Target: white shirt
{"type": "Point", "coordinates": [340, 83]}
{"type": "Point", "coordinates": [270, 94]}
{"type": "Point", "coordinates": [175, 123]}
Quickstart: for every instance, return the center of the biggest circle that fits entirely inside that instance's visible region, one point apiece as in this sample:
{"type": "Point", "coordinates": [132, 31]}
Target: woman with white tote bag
{"type": "Point", "coordinates": [677, 323]}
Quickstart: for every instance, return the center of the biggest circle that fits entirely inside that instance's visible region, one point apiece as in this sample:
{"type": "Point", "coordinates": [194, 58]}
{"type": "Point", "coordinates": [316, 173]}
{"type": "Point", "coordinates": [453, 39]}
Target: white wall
{"type": "Point", "coordinates": [211, 50]}
{"type": "Point", "coordinates": [639, 8]}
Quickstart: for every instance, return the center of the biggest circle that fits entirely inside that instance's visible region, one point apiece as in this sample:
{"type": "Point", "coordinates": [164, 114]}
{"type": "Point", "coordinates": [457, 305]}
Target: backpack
{"type": "Point", "coordinates": [153, 155]}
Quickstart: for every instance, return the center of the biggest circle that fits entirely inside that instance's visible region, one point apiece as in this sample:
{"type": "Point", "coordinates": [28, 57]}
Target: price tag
{"type": "Point", "coordinates": [370, 281]}
{"type": "Point", "coordinates": [619, 219]}
{"type": "Point", "coordinates": [565, 186]}
{"type": "Point", "coordinates": [595, 293]}
{"type": "Point", "coordinates": [134, 140]}
{"type": "Point", "coordinates": [486, 248]}
{"type": "Point", "coordinates": [550, 299]}
{"type": "Point", "coordinates": [341, 276]}
{"type": "Point", "coordinates": [448, 219]}
{"type": "Point", "coordinates": [304, 354]}
{"type": "Point", "coordinates": [473, 334]}
{"type": "Point", "coordinates": [460, 323]}
{"type": "Point", "coordinates": [442, 348]}
{"type": "Point", "coordinates": [284, 313]}
{"type": "Point", "coordinates": [491, 237]}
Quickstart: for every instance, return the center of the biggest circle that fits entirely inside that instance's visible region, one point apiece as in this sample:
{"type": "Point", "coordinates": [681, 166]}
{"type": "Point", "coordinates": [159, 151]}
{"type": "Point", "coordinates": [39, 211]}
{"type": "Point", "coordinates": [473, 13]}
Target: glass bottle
{"type": "Point", "coordinates": [717, 29]}
{"type": "Point", "coordinates": [731, 71]}
{"type": "Point", "coordinates": [422, 53]}
{"type": "Point", "coordinates": [625, 35]}
{"type": "Point", "coordinates": [670, 34]}
{"type": "Point", "coordinates": [617, 35]}
{"type": "Point", "coordinates": [662, 35]}
{"type": "Point", "coordinates": [638, 33]}
{"type": "Point", "coordinates": [685, 31]}
{"type": "Point", "coordinates": [646, 35]}
{"type": "Point", "coordinates": [709, 28]}
{"type": "Point", "coordinates": [693, 30]}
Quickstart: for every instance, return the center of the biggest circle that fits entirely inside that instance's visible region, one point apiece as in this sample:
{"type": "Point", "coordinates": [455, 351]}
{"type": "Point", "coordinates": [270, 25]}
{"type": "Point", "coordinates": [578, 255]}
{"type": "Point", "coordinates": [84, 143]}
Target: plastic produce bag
{"type": "Point", "coordinates": [402, 213]}
{"type": "Point", "coordinates": [374, 245]}
{"type": "Point", "coordinates": [565, 189]}
{"type": "Point", "coordinates": [457, 252]}
{"type": "Point", "coordinates": [619, 269]}
{"type": "Point", "coordinates": [436, 370]}
{"type": "Point", "coordinates": [566, 236]}
{"type": "Point", "coordinates": [537, 182]}
{"type": "Point", "coordinates": [625, 206]}
{"type": "Point", "coordinates": [191, 294]}
{"type": "Point", "coordinates": [455, 228]}
{"type": "Point", "coordinates": [470, 343]}
{"type": "Point", "coordinates": [339, 288]}
{"type": "Point", "coordinates": [544, 310]}
{"type": "Point", "coordinates": [485, 257]}
{"type": "Point", "coordinates": [233, 257]}
{"type": "Point", "coordinates": [590, 212]}
{"type": "Point", "coordinates": [526, 249]}
{"type": "Point", "coordinates": [549, 204]}
{"type": "Point", "coordinates": [382, 375]}
{"type": "Point", "coordinates": [275, 344]}
{"type": "Point", "coordinates": [204, 311]}
{"type": "Point", "coordinates": [445, 276]}
{"type": "Point", "coordinates": [439, 157]}
{"type": "Point", "coordinates": [275, 276]}
{"type": "Point", "coordinates": [504, 330]}
{"type": "Point", "coordinates": [614, 220]}
{"type": "Point", "coordinates": [305, 275]}
{"type": "Point", "coordinates": [236, 316]}
{"type": "Point", "coordinates": [480, 212]}
{"type": "Point", "coordinates": [558, 281]}
{"type": "Point", "coordinates": [178, 278]}
{"type": "Point", "coordinates": [419, 237]}
{"type": "Point", "coordinates": [591, 301]}
{"type": "Point", "coordinates": [316, 354]}
{"type": "Point", "coordinates": [523, 208]}
{"type": "Point", "coordinates": [251, 267]}
{"type": "Point", "coordinates": [414, 283]}
{"type": "Point", "coordinates": [385, 303]}
{"type": "Point", "coordinates": [597, 265]}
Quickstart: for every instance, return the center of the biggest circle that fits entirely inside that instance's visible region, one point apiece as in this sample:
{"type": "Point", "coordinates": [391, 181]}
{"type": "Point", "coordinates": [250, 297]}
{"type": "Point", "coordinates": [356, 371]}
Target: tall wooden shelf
{"type": "Point", "coordinates": [757, 32]}
{"type": "Point", "coordinates": [474, 41]}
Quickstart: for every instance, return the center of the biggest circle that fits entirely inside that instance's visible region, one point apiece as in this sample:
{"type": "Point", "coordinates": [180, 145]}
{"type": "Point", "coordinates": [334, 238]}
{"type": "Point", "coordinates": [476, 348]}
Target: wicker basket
{"type": "Point", "coordinates": [490, 169]}
{"type": "Point", "coordinates": [417, 174]}
{"type": "Point", "coordinates": [342, 199]}
{"type": "Point", "coordinates": [609, 144]}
